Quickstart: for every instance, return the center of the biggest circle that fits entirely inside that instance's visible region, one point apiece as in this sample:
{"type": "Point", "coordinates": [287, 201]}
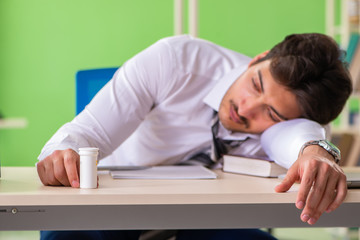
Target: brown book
{"type": "Point", "coordinates": [261, 167]}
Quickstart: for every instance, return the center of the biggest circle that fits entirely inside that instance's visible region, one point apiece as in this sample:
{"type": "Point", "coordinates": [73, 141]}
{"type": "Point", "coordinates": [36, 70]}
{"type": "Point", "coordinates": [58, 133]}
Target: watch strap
{"type": "Point", "coordinates": [328, 146]}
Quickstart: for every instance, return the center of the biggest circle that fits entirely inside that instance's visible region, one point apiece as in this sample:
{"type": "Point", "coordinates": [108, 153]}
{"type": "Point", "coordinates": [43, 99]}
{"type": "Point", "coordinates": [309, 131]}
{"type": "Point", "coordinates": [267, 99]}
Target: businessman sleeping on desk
{"type": "Point", "coordinates": [171, 102]}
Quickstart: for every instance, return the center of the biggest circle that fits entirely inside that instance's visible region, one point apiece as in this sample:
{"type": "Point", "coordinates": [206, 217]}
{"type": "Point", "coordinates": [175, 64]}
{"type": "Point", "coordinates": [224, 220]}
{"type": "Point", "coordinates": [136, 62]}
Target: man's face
{"type": "Point", "coordinates": [255, 102]}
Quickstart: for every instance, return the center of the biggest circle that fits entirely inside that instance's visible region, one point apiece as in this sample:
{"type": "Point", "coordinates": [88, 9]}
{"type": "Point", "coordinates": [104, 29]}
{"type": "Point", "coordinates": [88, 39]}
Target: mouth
{"type": "Point", "coordinates": [237, 118]}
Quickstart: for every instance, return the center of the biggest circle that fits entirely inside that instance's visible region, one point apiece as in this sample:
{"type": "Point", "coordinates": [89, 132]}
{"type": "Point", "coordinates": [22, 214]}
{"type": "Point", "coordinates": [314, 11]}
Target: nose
{"type": "Point", "coordinates": [250, 108]}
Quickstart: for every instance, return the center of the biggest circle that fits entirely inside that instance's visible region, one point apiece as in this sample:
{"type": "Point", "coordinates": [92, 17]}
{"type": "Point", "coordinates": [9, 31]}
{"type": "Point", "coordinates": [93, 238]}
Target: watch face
{"type": "Point", "coordinates": [331, 148]}
{"type": "Point", "coordinates": [325, 145]}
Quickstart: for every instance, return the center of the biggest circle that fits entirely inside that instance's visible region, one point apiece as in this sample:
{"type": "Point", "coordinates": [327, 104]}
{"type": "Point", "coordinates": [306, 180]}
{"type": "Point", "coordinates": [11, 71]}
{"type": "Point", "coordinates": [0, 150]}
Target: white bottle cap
{"type": "Point", "coordinates": [88, 150]}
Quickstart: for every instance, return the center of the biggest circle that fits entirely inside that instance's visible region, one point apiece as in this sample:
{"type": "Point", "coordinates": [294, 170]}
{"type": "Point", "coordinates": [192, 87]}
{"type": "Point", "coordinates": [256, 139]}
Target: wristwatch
{"type": "Point", "coordinates": [328, 146]}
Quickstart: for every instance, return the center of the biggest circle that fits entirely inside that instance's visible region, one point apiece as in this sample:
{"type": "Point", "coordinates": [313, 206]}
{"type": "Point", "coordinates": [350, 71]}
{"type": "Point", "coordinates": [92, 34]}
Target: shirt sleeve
{"type": "Point", "coordinates": [120, 106]}
{"type": "Point", "coordinates": [282, 142]}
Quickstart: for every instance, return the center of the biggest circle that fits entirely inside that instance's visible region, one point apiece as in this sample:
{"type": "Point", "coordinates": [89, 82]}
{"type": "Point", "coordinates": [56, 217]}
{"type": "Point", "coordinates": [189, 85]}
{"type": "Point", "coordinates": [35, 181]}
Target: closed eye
{"type": "Point", "coordinates": [256, 87]}
{"type": "Point", "coordinates": [271, 115]}
{"type": "Point", "coordinates": [274, 113]}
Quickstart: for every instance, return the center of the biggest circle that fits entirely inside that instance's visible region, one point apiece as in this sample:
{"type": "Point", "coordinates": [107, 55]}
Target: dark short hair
{"type": "Point", "coordinates": [312, 67]}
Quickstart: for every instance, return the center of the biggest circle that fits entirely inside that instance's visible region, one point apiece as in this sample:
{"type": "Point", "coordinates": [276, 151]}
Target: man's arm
{"type": "Point", "coordinates": [111, 117]}
{"type": "Point", "coordinates": [322, 182]}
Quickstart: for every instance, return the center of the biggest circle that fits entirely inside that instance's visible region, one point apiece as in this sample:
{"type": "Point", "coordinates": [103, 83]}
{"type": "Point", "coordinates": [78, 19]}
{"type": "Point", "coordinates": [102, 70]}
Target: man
{"type": "Point", "coordinates": [159, 109]}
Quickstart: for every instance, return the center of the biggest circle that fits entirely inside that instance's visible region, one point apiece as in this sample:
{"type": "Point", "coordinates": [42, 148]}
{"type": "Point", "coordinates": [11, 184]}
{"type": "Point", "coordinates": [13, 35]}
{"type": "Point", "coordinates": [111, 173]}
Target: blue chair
{"type": "Point", "coordinates": [88, 83]}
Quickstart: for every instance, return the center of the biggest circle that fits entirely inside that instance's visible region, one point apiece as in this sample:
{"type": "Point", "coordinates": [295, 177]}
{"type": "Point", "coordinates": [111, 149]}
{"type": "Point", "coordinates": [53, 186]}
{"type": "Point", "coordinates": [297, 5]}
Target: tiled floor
{"type": "Point", "coordinates": [280, 233]}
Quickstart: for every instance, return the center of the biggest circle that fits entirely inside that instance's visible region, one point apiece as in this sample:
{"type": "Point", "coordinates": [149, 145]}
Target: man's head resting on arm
{"type": "Point", "coordinates": [302, 76]}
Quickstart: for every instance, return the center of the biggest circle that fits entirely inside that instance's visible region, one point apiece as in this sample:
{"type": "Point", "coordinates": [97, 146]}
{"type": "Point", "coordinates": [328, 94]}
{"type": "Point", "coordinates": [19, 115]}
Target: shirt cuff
{"type": "Point", "coordinates": [282, 142]}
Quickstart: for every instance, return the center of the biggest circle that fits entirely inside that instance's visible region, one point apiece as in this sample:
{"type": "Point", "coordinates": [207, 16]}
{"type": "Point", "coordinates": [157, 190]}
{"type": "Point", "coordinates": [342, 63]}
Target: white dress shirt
{"type": "Point", "coordinates": [158, 108]}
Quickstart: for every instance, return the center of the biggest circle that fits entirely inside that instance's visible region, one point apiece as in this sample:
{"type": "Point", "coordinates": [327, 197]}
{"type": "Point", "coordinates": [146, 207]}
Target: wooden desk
{"type": "Point", "coordinates": [231, 201]}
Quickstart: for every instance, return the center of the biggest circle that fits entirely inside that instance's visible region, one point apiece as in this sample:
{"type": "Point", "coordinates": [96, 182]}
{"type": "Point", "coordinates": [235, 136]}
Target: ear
{"type": "Point", "coordinates": [257, 57]}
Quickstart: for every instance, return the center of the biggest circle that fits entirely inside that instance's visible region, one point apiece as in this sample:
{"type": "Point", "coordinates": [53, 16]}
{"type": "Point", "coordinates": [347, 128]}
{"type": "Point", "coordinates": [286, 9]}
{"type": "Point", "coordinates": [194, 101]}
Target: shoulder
{"type": "Point", "coordinates": [185, 44]}
{"type": "Point", "coordinates": [202, 56]}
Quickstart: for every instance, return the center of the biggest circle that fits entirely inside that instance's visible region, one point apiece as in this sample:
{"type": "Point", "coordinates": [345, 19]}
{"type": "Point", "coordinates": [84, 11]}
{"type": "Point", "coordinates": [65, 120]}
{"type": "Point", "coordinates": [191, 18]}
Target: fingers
{"type": "Point", "coordinates": [46, 172]}
{"type": "Point", "coordinates": [318, 206]}
{"type": "Point", "coordinates": [60, 168]}
{"type": "Point", "coordinates": [315, 183]}
{"type": "Point", "coordinates": [291, 177]}
{"type": "Point", "coordinates": [323, 187]}
{"type": "Point", "coordinates": [71, 164]}
{"type": "Point", "coordinates": [341, 192]}
{"type": "Point", "coordinates": [41, 172]}
{"type": "Point", "coordinates": [307, 180]}
{"type": "Point", "coordinates": [59, 171]}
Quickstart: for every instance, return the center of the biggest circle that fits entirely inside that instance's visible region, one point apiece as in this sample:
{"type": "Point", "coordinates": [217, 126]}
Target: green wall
{"type": "Point", "coordinates": [44, 42]}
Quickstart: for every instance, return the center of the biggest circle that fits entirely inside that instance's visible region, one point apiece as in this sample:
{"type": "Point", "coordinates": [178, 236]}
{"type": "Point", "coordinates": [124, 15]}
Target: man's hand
{"type": "Point", "coordinates": [322, 183]}
{"type": "Point", "coordinates": [60, 168]}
